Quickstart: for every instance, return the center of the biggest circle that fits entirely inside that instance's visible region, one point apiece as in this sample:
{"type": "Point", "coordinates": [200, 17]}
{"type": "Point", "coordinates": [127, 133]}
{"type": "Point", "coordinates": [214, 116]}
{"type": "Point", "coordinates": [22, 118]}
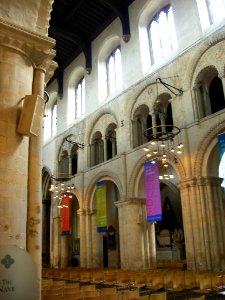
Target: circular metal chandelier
{"type": "Point", "coordinates": [164, 141]}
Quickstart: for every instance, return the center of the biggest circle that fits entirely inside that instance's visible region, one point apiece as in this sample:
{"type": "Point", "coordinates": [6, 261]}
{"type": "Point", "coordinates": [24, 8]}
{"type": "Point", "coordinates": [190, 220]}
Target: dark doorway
{"type": "Point", "coordinates": [105, 252]}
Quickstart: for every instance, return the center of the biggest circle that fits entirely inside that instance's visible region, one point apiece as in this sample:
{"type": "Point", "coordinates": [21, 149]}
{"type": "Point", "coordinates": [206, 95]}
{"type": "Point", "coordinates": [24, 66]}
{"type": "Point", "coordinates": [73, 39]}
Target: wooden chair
{"type": "Point", "coordinates": [217, 282]}
{"type": "Point", "coordinates": [91, 293]}
{"type": "Point", "coordinates": [89, 287]}
{"type": "Point", "coordinates": [117, 296]}
{"type": "Point", "coordinates": [178, 282]}
{"type": "Point", "coordinates": [130, 294]}
{"type": "Point", "coordinates": [72, 284]}
{"type": "Point", "coordinates": [157, 281]}
{"type": "Point", "coordinates": [71, 290]}
{"type": "Point", "coordinates": [197, 298]}
{"type": "Point", "coordinates": [71, 296]}
{"type": "Point", "coordinates": [110, 278]}
{"type": "Point", "coordinates": [168, 279]}
{"type": "Point", "coordinates": [85, 276]}
{"type": "Point", "coordinates": [189, 280]}
{"type": "Point", "coordinates": [53, 291]}
{"type": "Point", "coordinates": [138, 280]}
{"type": "Point", "coordinates": [97, 277]}
{"type": "Point", "coordinates": [123, 279]}
{"type": "Point", "coordinates": [146, 297]}
{"type": "Point", "coordinates": [93, 298]}
{"type": "Point", "coordinates": [52, 297]}
{"type": "Point", "coordinates": [158, 296]}
{"type": "Point", "coordinates": [205, 284]}
{"type": "Point", "coordinates": [108, 291]}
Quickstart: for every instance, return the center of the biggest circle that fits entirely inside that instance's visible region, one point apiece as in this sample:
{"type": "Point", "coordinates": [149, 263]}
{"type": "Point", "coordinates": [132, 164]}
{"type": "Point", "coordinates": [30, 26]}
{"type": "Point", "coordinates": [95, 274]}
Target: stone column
{"type": "Point", "coordinates": [152, 246]}
{"type": "Point", "coordinates": [65, 251]}
{"type": "Point", "coordinates": [105, 152]}
{"type": "Point", "coordinates": [34, 234]}
{"type": "Point", "coordinates": [83, 245]}
{"type": "Point", "coordinates": [131, 234]}
{"type": "Point", "coordinates": [203, 223]}
{"type": "Point", "coordinates": [16, 75]}
{"type": "Point", "coordinates": [89, 240]}
{"type": "Point", "coordinates": [97, 249]}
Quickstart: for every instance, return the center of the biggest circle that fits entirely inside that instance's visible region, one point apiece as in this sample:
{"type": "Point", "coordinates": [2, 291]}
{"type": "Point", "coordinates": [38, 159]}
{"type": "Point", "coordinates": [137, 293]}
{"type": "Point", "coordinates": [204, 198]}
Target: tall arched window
{"type": "Point", "coordinates": [80, 98]}
{"type": "Point", "coordinates": [210, 11]}
{"type": "Point", "coordinates": [54, 119]}
{"type": "Point", "coordinates": [114, 71]}
{"type": "Point", "coordinates": [162, 35]}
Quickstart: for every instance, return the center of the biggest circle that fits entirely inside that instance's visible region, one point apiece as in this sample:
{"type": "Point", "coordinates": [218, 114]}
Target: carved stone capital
{"type": "Point", "coordinates": [36, 48]}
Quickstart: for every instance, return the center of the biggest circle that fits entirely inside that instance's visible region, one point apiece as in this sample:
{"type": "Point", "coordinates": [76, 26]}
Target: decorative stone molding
{"type": "Point", "coordinates": [215, 181]}
{"type": "Point", "coordinates": [97, 117]}
{"type": "Point", "coordinates": [204, 144]}
{"type": "Point", "coordinates": [37, 48]}
{"type": "Point", "coordinates": [81, 212]}
{"type": "Point", "coordinates": [104, 175]}
{"type": "Point", "coordinates": [199, 51]}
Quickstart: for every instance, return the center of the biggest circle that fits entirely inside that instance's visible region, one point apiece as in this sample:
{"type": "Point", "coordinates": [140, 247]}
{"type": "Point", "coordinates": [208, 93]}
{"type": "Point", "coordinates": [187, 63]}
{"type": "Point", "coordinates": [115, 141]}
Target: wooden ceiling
{"type": "Point", "coordinates": [74, 24]}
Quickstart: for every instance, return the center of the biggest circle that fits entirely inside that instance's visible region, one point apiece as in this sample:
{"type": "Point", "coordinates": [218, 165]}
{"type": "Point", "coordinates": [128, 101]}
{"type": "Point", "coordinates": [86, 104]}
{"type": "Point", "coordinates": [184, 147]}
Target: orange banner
{"type": "Point", "coordinates": [66, 227]}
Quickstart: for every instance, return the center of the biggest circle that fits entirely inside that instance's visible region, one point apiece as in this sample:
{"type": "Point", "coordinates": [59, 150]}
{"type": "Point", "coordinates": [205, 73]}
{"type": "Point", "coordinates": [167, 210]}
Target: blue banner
{"type": "Point", "coordinates": [221, 141]}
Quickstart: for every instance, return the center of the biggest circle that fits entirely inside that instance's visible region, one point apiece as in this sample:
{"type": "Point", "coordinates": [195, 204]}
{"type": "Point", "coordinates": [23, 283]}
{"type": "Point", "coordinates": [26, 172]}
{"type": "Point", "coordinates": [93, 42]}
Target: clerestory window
{"type": "Point", "coordinates": [114, 71]}
{"type": "Point", "coordinates": [80, 98]}
{"type": "Point", "coordinates": [162, 35]}
{"type": "Point", "coordinates": [210, 11]}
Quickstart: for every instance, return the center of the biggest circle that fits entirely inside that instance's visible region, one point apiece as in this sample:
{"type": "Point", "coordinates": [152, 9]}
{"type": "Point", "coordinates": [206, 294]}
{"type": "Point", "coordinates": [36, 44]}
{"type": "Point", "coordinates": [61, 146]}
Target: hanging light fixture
{"type": "Point", "coordinates": [164, 139]}
{"type": "Point", "coordinates": [61, 189]}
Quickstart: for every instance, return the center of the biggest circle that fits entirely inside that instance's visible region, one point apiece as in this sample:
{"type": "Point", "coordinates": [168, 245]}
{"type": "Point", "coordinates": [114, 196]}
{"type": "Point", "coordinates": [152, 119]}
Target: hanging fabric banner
{"type": "Point", "coordinates": [101, 213]}
{"type": "Point", "coordinates": [66, 227]}
{"type": "Point", "coordinates": [152, 189]}
{"type": "Point", "coordinates": [221, 141]}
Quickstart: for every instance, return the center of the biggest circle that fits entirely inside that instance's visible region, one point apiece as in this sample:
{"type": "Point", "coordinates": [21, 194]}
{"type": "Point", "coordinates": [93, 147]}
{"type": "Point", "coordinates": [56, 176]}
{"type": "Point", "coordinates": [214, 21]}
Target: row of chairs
{"type": "Point", "coordinates": [61, 290]}
{"type": "Point", "coordinates": [168, 279]}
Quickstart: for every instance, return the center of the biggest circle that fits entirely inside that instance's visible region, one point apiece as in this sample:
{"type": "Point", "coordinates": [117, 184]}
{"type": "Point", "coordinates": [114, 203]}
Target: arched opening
{"type": "Point", "coordinates": [97, 149]}
{"type": "Point", "coordinates": [169, 233]}
{"type": "Point", "coordinates": [63, 168]}
{"type": "Point", "coordinates": [216, 95]}
{"type": "Point", "coordinates": [70, 230]}
{"type": "Point", "coordinates": [109, 238]}
{"type": "Point", "coordinates": [111, 142]}
{"type": "Point", "coordinates": [74, 160]}
{"type": "Point", "coordinates": [46, 218]}
{"type": "Point", "coordinates": [141, 121]}
{"type": "Point", "coordinates": [170, 243]}
{"type": "Point", "coordinates": [209, 92]}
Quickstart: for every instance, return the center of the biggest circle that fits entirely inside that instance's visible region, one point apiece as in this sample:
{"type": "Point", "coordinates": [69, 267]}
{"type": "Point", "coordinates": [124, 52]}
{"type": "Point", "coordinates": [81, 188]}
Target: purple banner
{"type": "Point", "coordinates": [152, 190]}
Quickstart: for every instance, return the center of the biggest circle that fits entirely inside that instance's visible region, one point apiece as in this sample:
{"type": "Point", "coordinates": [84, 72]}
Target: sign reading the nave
{"type": "Point", "coordinates": [18, 279]}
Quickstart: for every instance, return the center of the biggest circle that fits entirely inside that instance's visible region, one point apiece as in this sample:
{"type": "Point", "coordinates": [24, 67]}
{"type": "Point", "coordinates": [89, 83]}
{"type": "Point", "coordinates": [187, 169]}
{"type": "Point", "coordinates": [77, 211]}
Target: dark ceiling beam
{"type": "Point", "coordinates": [70, 11]}
{"type": "Point", "coordinates": [84, 45]}
{"type": "Point", "coordinates": [121, 10]}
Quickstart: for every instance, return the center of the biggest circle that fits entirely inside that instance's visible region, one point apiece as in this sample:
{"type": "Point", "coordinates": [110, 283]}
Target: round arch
{"type": "Point", "coordinates": [207, 144]}
{"type": "Point", "coordinates": [98, 116]}
{"type": "Point", "coordinates": [138, 171]}
{"type": "Point", "coordinates": [201, 50]}
{"type": "Point", "coordinates": [104, 175]}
